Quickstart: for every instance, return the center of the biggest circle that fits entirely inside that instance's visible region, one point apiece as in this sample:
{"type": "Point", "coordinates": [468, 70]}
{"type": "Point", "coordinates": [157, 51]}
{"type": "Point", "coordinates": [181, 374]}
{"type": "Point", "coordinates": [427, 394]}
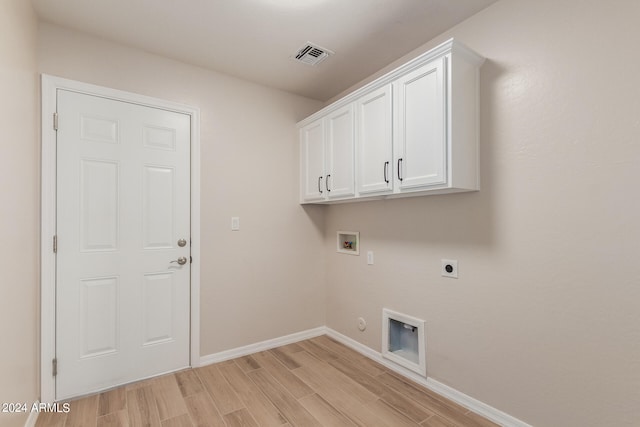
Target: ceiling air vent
{"type": "Point", "coordinates": [312, 54]}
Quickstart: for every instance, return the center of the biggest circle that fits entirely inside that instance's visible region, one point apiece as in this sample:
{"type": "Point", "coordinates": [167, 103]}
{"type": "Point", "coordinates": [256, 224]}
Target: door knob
{"type": "Point", "coordinates": [182, 260]}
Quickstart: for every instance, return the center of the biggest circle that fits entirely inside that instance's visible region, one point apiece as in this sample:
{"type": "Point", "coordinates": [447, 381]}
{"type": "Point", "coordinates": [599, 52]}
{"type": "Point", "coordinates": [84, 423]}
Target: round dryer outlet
{"type": "Point", "coordinates": [362, 324]}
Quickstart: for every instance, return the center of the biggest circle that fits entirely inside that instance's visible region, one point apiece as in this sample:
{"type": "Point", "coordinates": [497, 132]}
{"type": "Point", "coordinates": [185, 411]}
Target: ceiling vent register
{"type": "Point", "coordinates": [312, 54]}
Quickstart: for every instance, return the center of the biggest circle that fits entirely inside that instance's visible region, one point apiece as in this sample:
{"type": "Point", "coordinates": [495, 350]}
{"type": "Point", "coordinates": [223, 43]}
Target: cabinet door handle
{"type": "Point", "coordinates": [386, 171]}
{"type": "Point", "coordinates": [326, 183]}
{"type": "Point", "coordinates": [319, 185]}
{"type": "Point", "coordinates": [399, 166]}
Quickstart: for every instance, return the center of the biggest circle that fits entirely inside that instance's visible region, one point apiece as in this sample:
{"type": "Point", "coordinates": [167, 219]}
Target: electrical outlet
{"type": "Point", "coordinates": [450, 268]}
{"type": "Point", "coordinates": [362, 324]}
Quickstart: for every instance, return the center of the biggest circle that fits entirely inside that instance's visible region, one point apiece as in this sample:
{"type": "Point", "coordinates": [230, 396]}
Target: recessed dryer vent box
{"type": "Point", "coordinates": [403, 341]}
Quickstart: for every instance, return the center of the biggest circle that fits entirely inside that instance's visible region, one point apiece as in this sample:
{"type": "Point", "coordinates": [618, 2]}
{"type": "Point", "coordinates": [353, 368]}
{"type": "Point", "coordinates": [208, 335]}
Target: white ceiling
{"type": "Point", "coordinates": [255, 39]}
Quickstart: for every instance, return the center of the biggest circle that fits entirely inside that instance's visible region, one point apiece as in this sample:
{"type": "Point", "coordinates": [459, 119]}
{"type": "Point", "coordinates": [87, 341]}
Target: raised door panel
{"type": "Point", "coordinates": [99, 205]}
{"type": "Point", "coordinates": [339, 179]}
{"type": "Point", "coordinates": [421, 150]}
{"type": "Point", "coordinates": [99, 316]}
{"type": "Point", "coordinates": [158, 222]}
{"type": "Point", "coordinates": [99, 129]}
{"type": "Point", "coordinates": [312, 161]}
{"type": "Point", "coordinates": [375, 152]}
{"type": "Point", "coordinates": [158, 308]}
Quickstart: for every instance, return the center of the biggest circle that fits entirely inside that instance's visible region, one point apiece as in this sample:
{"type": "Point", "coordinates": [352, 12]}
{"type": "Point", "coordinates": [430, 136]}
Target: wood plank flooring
{"type": "Point", "coordinates": [317, 382]}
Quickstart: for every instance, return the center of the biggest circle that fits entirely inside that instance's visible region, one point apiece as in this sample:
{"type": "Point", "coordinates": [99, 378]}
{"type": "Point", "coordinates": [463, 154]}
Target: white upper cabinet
{"type": "Point", "coordinates": [420, 142]}
{"type": "Point", "coordinates": [327, 156]}
{"type": "Point", "coordinates": [339, 154]}
{"type": "Point", "coordinates": [312, 161]}
{"type": "Point", "coordinates": [415, 132]}
{"type": "Point", "coordinates": [374, 136]}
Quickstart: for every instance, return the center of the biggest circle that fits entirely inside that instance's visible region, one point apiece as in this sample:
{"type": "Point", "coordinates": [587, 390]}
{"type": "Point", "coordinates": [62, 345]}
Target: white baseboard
{"type": "Point", "coordinates": [261, 346]}
{"type": "Point", "coordinates": [460, 398]}
{"type": "Point", "coordinates": [489, 412]}
{"type": "Point", "coordinates": [33, 417]}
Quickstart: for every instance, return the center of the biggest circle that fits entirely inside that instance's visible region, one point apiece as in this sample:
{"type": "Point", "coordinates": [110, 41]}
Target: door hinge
{"type": "Point", "coordinates": [54, 367]}
{"type": "Point", "coordinates": [190, 259]}
{"type": "Point", "coordinates": [55, 121]}
{"type": "Point", "coordinates": [55, 244]}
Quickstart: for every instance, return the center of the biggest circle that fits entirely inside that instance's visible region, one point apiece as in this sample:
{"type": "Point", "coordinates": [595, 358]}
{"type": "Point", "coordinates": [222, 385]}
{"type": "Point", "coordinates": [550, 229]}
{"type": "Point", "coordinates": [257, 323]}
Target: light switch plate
{"type": "Point", "coordinates": [235, 223]}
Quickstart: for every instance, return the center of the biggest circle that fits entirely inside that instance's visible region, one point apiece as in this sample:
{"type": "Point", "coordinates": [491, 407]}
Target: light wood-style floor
{"type": "Point", "coordinates": [317, 382]}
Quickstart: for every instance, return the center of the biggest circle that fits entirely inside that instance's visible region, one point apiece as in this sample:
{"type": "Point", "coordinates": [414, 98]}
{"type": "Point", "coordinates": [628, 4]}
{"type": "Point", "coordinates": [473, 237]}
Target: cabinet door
{"type": "Point", "coordinates": [340, 139]}
{"type": "Point", "coordinates": [421, 145]}
{"type": "Point", "coordinates": [312, 161]}
{"type": "Point", "coordinates": [375, 147]}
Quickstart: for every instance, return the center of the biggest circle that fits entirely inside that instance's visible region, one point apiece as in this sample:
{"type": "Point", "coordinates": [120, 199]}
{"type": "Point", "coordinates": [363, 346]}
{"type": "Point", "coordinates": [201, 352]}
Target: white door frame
{"type": "Point", "coordinates": [50, 86]}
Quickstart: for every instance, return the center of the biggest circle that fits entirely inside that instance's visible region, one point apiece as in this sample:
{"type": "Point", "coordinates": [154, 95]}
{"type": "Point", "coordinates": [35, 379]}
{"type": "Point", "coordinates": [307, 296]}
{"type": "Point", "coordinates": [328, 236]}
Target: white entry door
{"type": "Point", "coordinates": [123, 243]}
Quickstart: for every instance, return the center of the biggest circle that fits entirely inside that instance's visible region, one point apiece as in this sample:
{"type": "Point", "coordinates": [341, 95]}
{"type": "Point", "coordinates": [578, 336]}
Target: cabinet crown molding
{"type": "Point", "coordinates": [450, 46]}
